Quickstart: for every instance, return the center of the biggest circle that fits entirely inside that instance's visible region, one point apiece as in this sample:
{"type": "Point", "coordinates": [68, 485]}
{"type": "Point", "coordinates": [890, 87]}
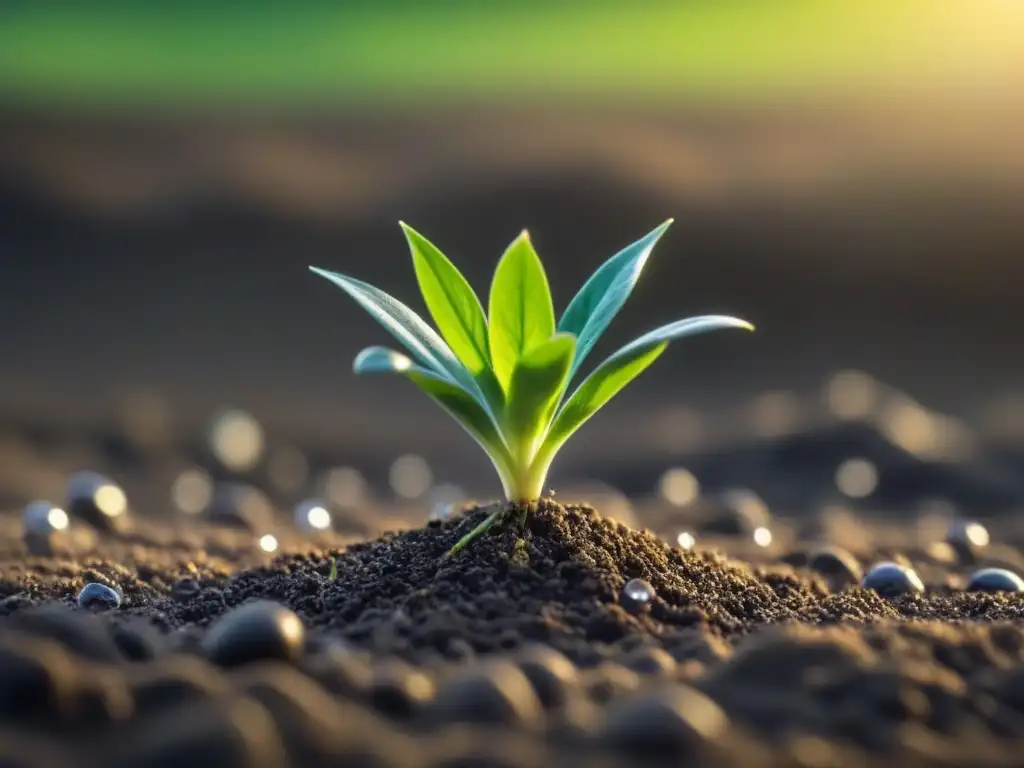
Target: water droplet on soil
{"type": "Point", "coordinates": [892, 580]}
{"type": "Point", "coordinates": [42, 517]}
{"type": "Point", "coordinates": [97, 500]}
{"type": "Point", "coordinates": [98, 597]}
{"type": "Point", "coordinates": [637, 593]}
{"type": "Point", "coordinates": [995, 580]}
{"type": "Point", "coordinates": [967, 537]}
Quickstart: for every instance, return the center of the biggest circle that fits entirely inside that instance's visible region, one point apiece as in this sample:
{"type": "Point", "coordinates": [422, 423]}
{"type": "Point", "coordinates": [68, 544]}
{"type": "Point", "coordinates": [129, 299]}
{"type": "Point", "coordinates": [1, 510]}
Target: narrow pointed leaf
{"type": "Point", "coordinates": [452, 303]}
{"type": "Point", "coordinates": [538, 381]}
{"type": "Point", "coordinates": [603, 295]}
{"type": "Point", "coordinates": [404, 324]}
{"type": "Point", "coordinates": [459, 404]}
{"type": "Point", "coordinates": [624, 366]}
{"type": "Point", "coordinates": [521, 314]}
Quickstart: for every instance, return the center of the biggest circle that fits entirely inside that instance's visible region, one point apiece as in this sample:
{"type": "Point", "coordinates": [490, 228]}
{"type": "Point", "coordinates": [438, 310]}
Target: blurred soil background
{"type": "Point", "coordinates": [847, 177]}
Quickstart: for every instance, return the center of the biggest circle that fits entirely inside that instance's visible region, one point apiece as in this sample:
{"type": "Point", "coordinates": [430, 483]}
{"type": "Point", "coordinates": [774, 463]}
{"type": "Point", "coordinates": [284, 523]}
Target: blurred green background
{"type": "Point", "coordinates": [388, 51]}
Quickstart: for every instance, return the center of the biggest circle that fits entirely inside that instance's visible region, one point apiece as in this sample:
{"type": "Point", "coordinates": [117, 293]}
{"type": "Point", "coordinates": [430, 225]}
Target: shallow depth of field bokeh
{"type": "Point", "coordinates": [848, 176]}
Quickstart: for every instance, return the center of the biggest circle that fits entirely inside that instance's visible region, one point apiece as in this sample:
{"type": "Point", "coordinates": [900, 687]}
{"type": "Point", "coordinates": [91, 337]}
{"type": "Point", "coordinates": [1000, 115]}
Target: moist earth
{"type": "Point", "coordinates": [527, 648]}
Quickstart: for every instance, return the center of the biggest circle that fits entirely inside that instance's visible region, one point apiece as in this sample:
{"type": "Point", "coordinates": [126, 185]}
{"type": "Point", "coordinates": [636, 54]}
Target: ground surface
{"type": "Point", "coordinates": [523, 650]}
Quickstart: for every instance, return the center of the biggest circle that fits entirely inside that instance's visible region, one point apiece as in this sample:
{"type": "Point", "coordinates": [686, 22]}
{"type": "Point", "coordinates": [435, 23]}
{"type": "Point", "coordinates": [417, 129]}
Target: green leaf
{"type": "Point", "coordinates": [624, 366]}
{"type": "Point", "coordinates": [452, 303]}
{"type": "Point", "coordinates": [537, 385]}
{"type": "Point", "coordinates": [456, 401]}
{"type": "Point", "coordinates": [521, 314]}
{"type": "Point", "coordinates": [404, 324]}
{"type": "Point", "coordinates": [603, 295]}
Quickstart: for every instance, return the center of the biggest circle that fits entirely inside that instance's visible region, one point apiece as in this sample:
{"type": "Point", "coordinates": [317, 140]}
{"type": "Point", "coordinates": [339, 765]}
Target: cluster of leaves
{"type": "Point", "coordinates": [505, 375]}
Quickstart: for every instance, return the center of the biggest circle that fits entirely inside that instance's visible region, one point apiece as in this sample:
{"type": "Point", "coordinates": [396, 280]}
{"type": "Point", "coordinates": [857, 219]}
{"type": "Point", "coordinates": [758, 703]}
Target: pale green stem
{"type": "Point", "coordinates": [479, 530]}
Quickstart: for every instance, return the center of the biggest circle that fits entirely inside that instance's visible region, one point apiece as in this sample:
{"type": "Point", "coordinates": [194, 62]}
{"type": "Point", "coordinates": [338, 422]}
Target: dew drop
{"type": "Point", "coordinates": [638, 591]}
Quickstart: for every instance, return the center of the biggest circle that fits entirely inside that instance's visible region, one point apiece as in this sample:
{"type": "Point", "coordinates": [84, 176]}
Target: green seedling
{"type": "Point", "coordinates": [505, 375]}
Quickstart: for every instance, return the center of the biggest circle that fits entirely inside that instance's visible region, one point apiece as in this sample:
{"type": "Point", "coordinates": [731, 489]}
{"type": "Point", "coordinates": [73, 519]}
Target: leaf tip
{"type": "Point", "coordinates": [411, 235]}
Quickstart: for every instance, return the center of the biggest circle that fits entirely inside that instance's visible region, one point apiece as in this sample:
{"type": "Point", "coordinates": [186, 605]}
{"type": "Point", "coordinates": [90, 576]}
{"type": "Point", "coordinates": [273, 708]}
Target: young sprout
{"type": "Point", "coordinates": [505, 375]}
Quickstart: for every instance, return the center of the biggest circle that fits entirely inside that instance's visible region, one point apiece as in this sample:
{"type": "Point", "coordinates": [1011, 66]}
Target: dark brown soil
{"type": "Point", "coordinates": [415, 659]}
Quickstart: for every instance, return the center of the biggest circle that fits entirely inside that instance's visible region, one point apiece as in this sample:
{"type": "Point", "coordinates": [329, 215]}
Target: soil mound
{"type": "Point", "coordinates": [560, 580]}
{"type": "Point", "coordinates": [725, 663]}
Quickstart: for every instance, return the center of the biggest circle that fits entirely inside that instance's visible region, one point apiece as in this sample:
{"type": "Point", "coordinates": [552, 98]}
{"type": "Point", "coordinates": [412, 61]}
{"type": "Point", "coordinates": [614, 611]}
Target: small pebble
{"type": "Point", "coordinates": [98, 597]}
{"type": "Point", "coordinates": [312, 516]}
{"type": "Point", "coordinates": [258, 630]}
{"type": "Point", "coordinates": [496, 693]}
{"type": "Point", "coordinates": [550, 673]}
{"type": "Point", "coordinates": [608, 681]}
{"type": "Point", "coordinates": [42, 524]}
{"type": "Point", "coordinates": [673, 722]}
{"type": "Point", "coordinates": [967, 538]}
{"type": "Point", "coordinates": [655, 662]}
{"type": "Point", "coordinates": [995, 580]}
{"type": "Point", "coordinates": [637, 594]}
{"type": "Point", "coordinates": [339, 669]}
{"type": "Point", "coordinates": [137, 640]}
{"type": "Point", "coordinates": [97, 500]}
{"type": "Point", "coordinates": [44, 517]}
{"type": "Point", "coordinates": [838, 566]}
{"type": "Point", "coordinates": [398, 690]}
{"type": "Point", "coordinates": [892, 580]}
